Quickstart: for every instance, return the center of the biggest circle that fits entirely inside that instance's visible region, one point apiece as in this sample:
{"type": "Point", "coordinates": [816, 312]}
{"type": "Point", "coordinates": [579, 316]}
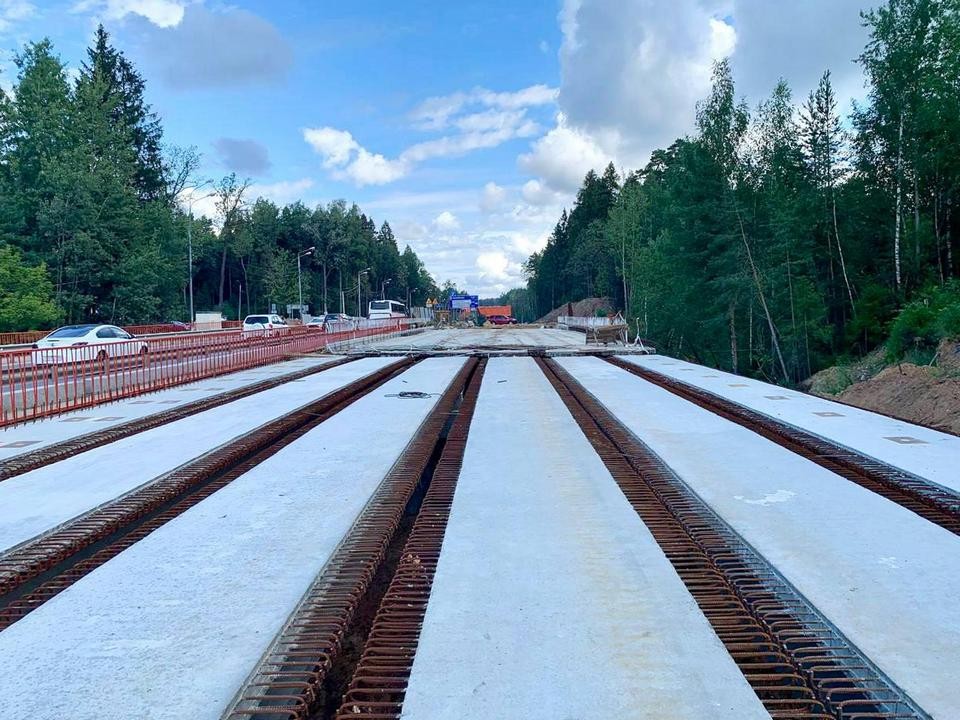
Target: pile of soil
{"type": "Point", "coordinates": [928, 395]}
{"type": "Point", "coordinates": [587, 307]}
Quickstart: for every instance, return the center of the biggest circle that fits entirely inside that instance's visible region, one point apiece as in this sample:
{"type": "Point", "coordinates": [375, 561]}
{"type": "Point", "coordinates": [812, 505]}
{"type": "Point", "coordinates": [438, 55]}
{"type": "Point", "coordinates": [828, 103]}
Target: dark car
{"type": "Point", "coordinates": [502, 320]}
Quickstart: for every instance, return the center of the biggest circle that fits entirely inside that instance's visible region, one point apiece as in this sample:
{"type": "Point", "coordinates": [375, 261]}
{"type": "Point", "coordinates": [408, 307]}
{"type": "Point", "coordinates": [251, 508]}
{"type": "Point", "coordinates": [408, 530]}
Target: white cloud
{"type": "Point", "coordinates": [333, 145]}
{"type": "Point", "coordinates": [536, 193]}
{"type": "Point", "coordinates": [455, 145]}
{"type": "Point", "coordinates": [283, 192]}
{"type": "Point", "coordinates": [527, 97]}
{"type": "Point", "coordinates": [544, 47]}
{"type": "Point", "coordinates": [504, 119]}
{"type": "Point", "coordinates": [446, 221]}
{"type": "Point", "coordinates": [821, 35]}
{"type": "Point", "coordinates": [633, 73]}
{"type": "Point", "coordinates": [409, 230]}
{"type": "Point", "coordinates": [394, 203]}
{"type": "Point", "coordinates": [374, 169]}
{"type": "Point", "coordinates": [13, 11]}
{"type": "Point", "coordinates": [492, 197]}
{"type": "Point", "coordinates": [563, 156]}
{"type": "Point", "coordinates": [436, 113]}
{"type": "Point", "coordinates": [162, 13]}
{"type": "Point", "coordinates": [493, 266]}
{"type": "Point", "coordinates": [349, 160]}
{"type": "Point", "coordinates": [193, 47]}
{"type": "Point", "coordinates": [201, 202]}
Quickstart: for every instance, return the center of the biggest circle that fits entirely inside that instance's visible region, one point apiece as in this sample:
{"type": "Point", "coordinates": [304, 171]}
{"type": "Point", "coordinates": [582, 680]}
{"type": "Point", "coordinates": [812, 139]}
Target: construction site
{"type": "Point", "coordinates": [478, 523]}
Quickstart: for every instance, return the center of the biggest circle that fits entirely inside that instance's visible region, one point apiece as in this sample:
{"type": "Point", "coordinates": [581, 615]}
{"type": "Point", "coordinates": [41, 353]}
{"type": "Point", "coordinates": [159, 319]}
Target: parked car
{"type": "Point", "coordinates": [178, 324]}
{"type": "Point", "coordinates": [315, 323]}
{"type": "Point", "coordinates": [271, 323]}
{"type": "Point", "coordinates": [502, 320]}
{"type": "Point", "coordinates": [338, 322]}
{"type": "Point", "coordinates": [84, 343]}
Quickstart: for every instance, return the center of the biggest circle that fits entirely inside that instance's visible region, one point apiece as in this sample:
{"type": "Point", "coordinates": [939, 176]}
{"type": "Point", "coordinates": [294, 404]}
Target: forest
{"type": "Point", "coordinates": [96, 221]}
{"type": "Point", "coordinates": [779, 239]}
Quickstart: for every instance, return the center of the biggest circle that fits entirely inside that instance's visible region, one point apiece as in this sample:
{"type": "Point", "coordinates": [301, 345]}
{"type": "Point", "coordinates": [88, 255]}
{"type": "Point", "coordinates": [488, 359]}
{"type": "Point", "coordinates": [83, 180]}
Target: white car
{"type": "Point", "coordinates": [85, 343]}
{"type": "Point", "coordinates": [269, 322]}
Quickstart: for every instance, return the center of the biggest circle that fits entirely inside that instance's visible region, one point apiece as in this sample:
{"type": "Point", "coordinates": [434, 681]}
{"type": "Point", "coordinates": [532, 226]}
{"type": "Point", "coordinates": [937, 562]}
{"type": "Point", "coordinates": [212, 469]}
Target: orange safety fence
{"type": "Point", "coordinates": [36, 383]}
{"type": "Point", "coordinates": [28, 337]}
{"type": "Point", "coordinates": [31, 336]}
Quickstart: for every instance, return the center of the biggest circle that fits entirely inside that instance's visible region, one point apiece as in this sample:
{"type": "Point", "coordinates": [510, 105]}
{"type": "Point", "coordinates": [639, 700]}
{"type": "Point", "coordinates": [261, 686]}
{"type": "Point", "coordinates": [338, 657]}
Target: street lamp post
{"type": "Point", "coordinates": [383, 288]}
{"type": "Point", "coordinates": [190, 203]}
{"type": "Point", "coordinates": [308, 251]}
{"type": "Point", "coordinates": [359, 274]}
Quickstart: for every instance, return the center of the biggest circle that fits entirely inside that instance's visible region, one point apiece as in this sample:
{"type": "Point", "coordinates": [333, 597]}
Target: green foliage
{"type": "Point", "coordinates": [922, 323]}
{"type": "Point", "coordinates": [87, 194]}
{"type": "Point", "coordinates": [773, 241]}
{"type": "Point", "coordinates": [25, 294]}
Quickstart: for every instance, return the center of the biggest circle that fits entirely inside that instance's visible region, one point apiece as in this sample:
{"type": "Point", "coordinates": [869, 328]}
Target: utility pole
{"type": "Point", "coordinates": [359, 274]}
{"type": "Point", "coordinates": [190, 201]}
{"type": "Point", "coordinates": [190, 260]}
{"type": "Point", "coordinates": [308, 251]}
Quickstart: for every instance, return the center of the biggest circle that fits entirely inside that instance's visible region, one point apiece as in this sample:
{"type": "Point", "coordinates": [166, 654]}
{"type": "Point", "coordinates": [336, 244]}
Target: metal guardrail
{"type": "Point", "coordinates": [37, 383]}
{"type": "Point", "coordinates": [10, 340]}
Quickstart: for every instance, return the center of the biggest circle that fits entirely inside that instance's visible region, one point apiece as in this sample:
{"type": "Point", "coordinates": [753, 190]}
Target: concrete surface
{"type": "Point", "coordinates": [551, 599]}
{"type": "Point", "coordinates": [887, 578]}
{"type": "Point", "coordinates": [485, 338]}
{"type": "Point", "coordinates": [928, 453]}
{"type": "Point", "coordinates": [40, 433]}
{"type": "Point", "coordinates": [40, 500]}
{"type": "Point", "coordinates": [170, 628]}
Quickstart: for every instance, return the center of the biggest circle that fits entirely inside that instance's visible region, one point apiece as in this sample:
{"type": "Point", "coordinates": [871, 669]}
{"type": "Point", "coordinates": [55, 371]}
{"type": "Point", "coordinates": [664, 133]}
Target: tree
{"type": "Point", "coordinates": [130, 114]}
{"type": "Point", "coordinates": [824, 144]}
{"type": "Point", "coordinates": [26, 294]}
{"type": "Point", "coordinates": [229, 203]}
{"type": "Point", "coordinates": [88, 192]}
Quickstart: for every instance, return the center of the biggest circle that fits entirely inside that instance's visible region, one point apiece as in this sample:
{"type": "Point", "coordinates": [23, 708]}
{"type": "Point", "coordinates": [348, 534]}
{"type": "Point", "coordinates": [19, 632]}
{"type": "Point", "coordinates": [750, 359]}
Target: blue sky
{"type": "Point", "coordinates": [466, 125]}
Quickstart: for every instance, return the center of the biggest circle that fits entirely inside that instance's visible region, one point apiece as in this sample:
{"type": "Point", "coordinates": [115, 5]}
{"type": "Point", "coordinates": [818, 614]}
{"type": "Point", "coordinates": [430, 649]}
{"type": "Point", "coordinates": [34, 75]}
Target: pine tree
{"type": "Point", "coordinates": [131, 114]}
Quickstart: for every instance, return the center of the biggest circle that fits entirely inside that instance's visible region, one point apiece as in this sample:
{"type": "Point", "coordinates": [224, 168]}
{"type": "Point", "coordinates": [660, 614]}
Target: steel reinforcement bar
{"type": "Point", "coordinates": [32, 573]}
{"type": "Point", "coordinates": [50, 454]}
{"type": "Point", "coordinates": [289, 682]}
{"type": "Point", "coordinates": [928, 500]}
{"type": "Point", "coordinates": [799, 665]}
{"type": "Point", "coordinates": [380, 680]}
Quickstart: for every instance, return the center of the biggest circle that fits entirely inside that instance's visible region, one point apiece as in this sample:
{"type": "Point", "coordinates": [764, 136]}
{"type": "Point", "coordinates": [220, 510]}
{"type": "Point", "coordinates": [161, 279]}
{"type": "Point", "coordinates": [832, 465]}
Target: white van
{"type": "Point", "coordinates": [381, 309]}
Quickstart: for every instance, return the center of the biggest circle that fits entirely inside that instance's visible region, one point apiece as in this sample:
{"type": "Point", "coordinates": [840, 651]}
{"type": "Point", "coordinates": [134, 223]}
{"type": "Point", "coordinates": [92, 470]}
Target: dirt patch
{"type": "Point", "coordinates": [587, 307]}
{"type": "Point", "coordinates": [927, 395]}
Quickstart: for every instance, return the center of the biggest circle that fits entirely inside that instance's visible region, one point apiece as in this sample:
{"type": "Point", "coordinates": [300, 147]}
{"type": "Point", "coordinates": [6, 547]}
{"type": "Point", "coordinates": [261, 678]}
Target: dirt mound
{"type": "Point", "coordinates": [587, 307]}
{"type": "Point", "coordinates": [836, 379]}
{"type": "Point", "coordinates": [920, 394]}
